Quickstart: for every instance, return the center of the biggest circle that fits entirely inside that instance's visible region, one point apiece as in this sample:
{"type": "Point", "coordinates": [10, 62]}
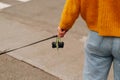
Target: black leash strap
{"type": "Point", "coordinates": [7, 51]}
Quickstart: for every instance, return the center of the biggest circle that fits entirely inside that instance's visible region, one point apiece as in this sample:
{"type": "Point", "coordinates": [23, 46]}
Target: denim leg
{"type": "Point", "coordinates": [116, 68]}
{"type": "Point", "coordinates": [116, 62]}
{"type": "Point", "coordinates": [97, 57]}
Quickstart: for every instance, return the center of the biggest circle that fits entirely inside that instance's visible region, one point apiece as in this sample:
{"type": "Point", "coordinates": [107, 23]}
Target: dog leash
{"type": "Point", "coordinates": [7, 51]}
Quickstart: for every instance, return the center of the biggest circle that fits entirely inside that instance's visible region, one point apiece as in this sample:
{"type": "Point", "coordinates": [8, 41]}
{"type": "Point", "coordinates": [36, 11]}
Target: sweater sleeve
{"type": "Point", "coordinates": [70, 13]}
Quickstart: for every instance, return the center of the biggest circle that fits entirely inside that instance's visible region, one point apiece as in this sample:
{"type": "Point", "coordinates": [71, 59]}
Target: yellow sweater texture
{"type": "Point", "coordinates": [102, 16]}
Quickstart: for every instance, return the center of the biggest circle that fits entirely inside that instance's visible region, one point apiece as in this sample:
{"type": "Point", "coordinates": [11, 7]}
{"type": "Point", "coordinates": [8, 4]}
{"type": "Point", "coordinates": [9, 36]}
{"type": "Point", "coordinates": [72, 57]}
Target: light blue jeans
{"type": "Point", "coordinates": [100, 52]}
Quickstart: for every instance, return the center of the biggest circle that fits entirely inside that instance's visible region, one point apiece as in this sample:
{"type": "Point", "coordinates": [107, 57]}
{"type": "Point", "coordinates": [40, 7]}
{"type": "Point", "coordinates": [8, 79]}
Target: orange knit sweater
{"type": "Point", "coordinates": [102, 16]}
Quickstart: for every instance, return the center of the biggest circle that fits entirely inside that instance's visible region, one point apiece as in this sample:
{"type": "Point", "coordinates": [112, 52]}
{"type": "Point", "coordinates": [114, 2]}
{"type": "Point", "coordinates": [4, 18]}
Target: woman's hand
{"type": "Point", "coordinates": [61, 32]}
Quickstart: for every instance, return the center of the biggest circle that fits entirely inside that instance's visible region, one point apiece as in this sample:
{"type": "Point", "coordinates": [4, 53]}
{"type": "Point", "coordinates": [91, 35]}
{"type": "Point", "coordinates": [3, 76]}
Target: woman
{"type": "Point", "coordinates": [103, 44]}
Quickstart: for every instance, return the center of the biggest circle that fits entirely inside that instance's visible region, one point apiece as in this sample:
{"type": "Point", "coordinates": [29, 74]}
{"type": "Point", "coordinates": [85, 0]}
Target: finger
{"type": "Point", "coordinates": [61, 32]}
{"type": "Point", "coordinates": [60, 35]}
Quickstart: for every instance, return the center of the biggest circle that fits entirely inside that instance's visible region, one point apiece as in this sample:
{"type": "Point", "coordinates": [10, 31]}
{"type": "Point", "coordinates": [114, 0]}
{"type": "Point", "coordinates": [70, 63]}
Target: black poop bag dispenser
{"type": "Point", "coordinates": [58, 43]}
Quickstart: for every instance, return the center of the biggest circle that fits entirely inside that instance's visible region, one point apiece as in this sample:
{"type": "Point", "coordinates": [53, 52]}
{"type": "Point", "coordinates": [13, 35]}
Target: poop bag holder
{"type": "Point", "coordinates": [58, 43]}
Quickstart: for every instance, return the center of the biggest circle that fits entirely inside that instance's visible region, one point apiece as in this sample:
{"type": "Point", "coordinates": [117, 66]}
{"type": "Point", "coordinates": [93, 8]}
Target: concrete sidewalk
{"type": "Point", "coordinates": [38, 19]}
